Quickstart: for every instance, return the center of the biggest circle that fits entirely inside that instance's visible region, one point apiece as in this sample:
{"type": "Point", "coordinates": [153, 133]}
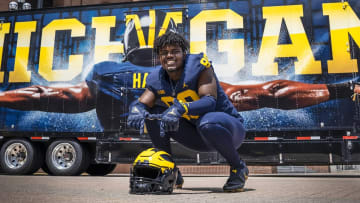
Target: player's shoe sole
{"type": "Point", "coordinates": [180, 186]}
{"type": "Point", "coordinates": [230, 190]}
{"type": "Point", "coordinates": [234, 190]}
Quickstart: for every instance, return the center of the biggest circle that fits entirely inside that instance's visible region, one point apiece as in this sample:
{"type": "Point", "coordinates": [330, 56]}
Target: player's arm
{"type": "Point", "coordinates": [73, 99]}
{"type": "Point", "coordinates": [207, 91]}
{"type": "Point", "coordinates": [207, 83]}
{"type": "Point", "coordinates": [244, 97]}
{"type": "Point", "coordinates": [148, 98]}
{"type": "Point", "coordinates": [304, 94]}
{"type": "Point", "coordinates": [282, 94]}
{"type": "Point", "coordinates": [285, 94]}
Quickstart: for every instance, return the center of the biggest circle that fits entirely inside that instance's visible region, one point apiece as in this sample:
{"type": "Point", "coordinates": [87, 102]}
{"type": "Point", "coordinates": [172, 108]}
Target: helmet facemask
{"type": "Point", "coordinates": [153, 171]}
{"type": "Point", "coordinates": [148, 180]}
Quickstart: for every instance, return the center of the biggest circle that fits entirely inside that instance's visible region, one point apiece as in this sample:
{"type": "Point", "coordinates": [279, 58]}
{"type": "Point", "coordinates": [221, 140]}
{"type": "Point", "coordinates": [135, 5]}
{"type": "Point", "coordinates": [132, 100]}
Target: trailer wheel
{"type": "Point", "coordinates": [67, 158]}
{"type": "Point", "coordinates": [100, 169]}
{"type": "Point", "coordinates": [20, 157]}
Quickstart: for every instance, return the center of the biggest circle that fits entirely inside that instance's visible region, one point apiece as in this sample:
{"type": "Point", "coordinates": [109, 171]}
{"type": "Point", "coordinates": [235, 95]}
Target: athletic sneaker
{"type": "Point", "coordinates": [179, 181]}
{"type": "Point", "coordinates": [236, 181]}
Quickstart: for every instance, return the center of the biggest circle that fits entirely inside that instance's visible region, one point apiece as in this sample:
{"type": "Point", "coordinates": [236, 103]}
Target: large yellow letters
{"type": "Point", "coordinates": [300, 47]}
{"type": "Point", "coordinates": [47, 50]}
{"type": "Point", "coordinates": [20, 73]}
{"type": "Point", "coordinates": [103, 45]}
{"type": "Point", "coordinates": [233, 47]}
{"type": "Point", "coordinates": [5, 28]}
{"type": "Point", "coordinates": [343, 21]}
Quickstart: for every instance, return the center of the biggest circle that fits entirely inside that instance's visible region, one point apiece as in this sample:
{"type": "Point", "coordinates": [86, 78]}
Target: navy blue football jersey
{"type": "Point", "coordinates": [115, 86]}
{"type": "Point", "coordinates": [186, 88]}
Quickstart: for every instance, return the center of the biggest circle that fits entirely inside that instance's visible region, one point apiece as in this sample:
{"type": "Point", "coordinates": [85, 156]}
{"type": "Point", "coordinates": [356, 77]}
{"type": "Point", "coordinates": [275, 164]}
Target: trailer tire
{"type": "Point", "coordinates": [67, 158]}
{"type": "Point", "coordinates": [20, 157]}
{"type": "Point", "coordinates": [100, 169]}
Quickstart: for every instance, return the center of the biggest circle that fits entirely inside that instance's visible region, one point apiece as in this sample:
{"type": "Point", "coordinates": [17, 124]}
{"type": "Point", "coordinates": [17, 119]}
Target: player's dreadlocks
{"type": "Point", "coordinates": [171, 38]}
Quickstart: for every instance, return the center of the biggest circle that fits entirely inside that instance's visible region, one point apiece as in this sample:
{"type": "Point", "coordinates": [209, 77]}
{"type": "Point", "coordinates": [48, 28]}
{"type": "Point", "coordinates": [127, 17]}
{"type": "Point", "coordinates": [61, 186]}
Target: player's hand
{"type": "Point", "coordinates": [170, 118]}
{"type": "Point", "coordinates": [357, 88]}
{"type": "Point", "coordinates": [137, 115]}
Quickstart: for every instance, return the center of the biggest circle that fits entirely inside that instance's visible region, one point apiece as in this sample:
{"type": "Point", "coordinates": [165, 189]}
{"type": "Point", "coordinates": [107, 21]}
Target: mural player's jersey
{"type": "Point", "coordinates": [113, 86]}
{"type": "Point", "coordinates": [186, 88]}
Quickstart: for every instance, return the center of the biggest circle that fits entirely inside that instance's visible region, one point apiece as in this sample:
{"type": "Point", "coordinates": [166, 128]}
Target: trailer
{"type": "Point", "coordinates": [62, 111]}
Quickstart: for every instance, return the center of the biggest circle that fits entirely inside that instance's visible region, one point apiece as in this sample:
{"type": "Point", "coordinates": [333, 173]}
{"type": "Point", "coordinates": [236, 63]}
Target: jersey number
{"type": "Point", "coordinates": [205, 62]}
{"type": "Point", "coordinates": [185, 96]}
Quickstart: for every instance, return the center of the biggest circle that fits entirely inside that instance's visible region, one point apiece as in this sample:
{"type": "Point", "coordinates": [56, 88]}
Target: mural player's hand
{"type": "Point", "coordinates": [356, 94]}
{"type": "Point", "coordinates": [357, 88]}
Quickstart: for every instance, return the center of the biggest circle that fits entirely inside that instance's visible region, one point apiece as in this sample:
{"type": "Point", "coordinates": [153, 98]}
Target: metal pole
{"type": "Point", "coordinates": [40, 3]}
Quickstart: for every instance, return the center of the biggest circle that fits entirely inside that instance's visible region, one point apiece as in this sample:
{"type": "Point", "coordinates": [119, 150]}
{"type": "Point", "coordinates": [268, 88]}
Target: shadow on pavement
{"type": "Point", "coordinates": [200, 190]}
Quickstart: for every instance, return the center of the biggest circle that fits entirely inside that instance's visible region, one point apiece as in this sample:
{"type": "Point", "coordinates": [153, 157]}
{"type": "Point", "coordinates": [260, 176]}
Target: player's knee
{"type": "Point", "coordinates": [213, 130]}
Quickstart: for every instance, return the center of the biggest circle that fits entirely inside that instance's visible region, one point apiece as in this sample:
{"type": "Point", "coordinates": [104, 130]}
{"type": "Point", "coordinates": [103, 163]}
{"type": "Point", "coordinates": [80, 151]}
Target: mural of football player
{"type": "Point", "coordinates": [106, 87]}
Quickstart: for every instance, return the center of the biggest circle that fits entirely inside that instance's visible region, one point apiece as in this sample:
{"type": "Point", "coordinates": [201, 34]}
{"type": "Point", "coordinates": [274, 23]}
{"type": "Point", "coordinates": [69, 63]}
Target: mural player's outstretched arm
{"type": "Point", "coordinates": [72, 99]}
{"type": "Point", "coordinates": [285, 94]}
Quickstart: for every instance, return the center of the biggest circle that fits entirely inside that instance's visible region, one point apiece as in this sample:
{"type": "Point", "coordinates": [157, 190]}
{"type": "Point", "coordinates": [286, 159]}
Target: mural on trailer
{"type": "Point", "coordinates": [77, 69]}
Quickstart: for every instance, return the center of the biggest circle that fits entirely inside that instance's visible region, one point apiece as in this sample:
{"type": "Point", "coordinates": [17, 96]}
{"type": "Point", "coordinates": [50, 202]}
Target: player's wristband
{"type": "Point", "coordinates": [203, 105]}
{"type": "Point", "coordinates": [184, 107]}
{"type": "Point", "coordinates": [341, 90]}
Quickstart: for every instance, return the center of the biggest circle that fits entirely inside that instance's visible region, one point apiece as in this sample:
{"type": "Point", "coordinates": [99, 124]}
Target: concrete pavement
{"type": "Point", "coordinates": [114, 188]}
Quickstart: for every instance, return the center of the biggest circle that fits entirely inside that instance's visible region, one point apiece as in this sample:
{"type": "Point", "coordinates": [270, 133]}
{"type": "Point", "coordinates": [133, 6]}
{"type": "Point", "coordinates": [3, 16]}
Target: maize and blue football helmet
{"type": "Point", "coordinates": [153, 171]}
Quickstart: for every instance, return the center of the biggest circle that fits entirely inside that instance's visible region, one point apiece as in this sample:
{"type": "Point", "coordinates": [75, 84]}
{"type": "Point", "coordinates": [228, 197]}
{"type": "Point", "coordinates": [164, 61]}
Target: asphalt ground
{"type": "Point", "coordinates": [114, 188]}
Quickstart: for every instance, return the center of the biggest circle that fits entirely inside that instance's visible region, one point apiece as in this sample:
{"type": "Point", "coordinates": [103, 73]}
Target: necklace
{"type": "Point", "coordinates": [173, 87]}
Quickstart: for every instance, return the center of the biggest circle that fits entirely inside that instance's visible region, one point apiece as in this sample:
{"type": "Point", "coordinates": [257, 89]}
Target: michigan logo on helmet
{"type": "Point", "coordinates": [153, 171]}
{"type": "Point", "coordinates": [141, 30]}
